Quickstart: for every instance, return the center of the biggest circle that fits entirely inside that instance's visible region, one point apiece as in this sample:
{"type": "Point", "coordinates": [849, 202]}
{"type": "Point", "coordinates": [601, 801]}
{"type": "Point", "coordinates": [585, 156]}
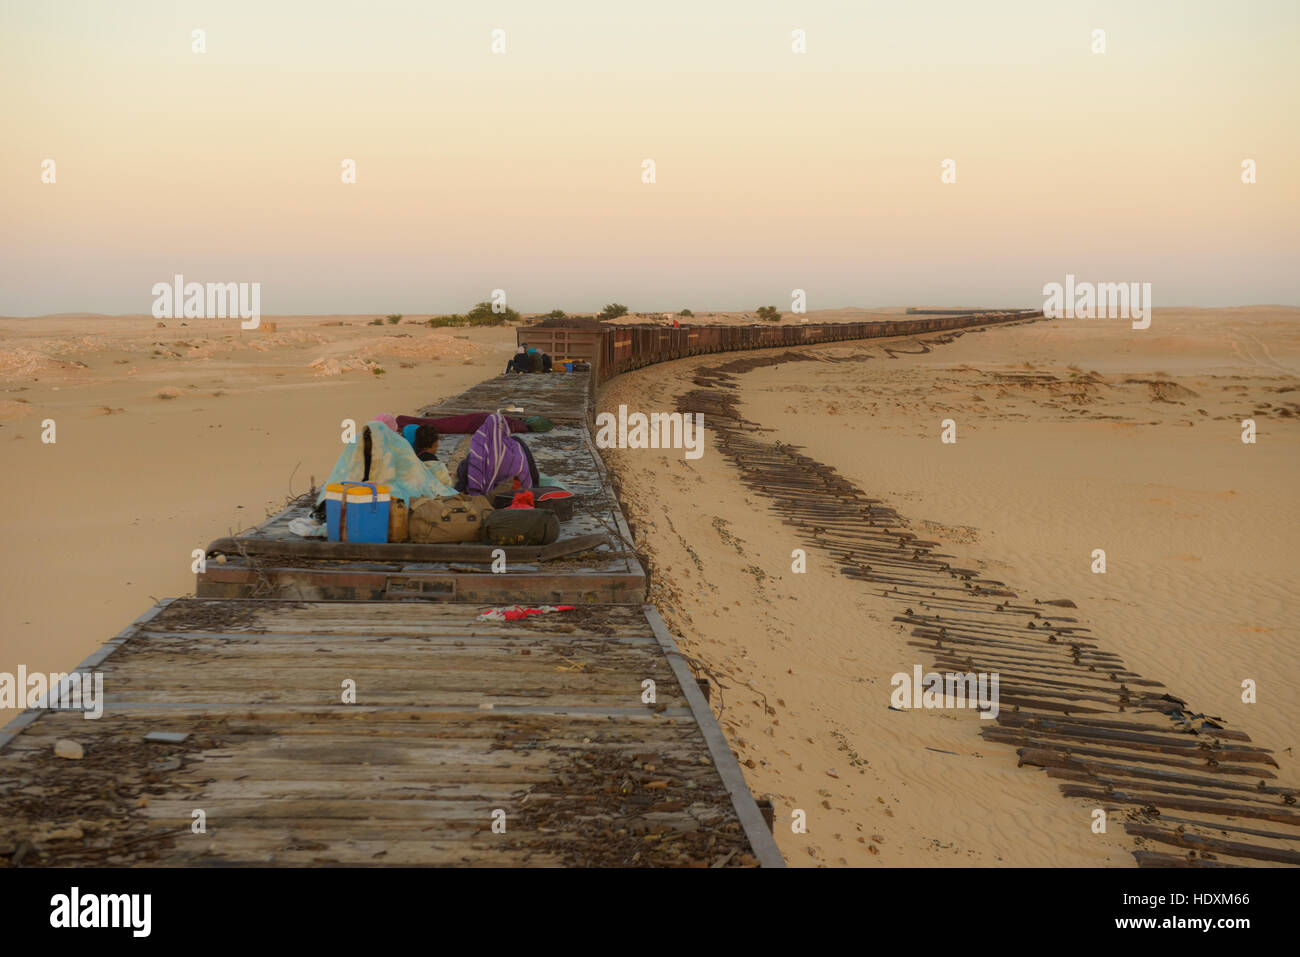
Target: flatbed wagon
{"type": "Point", "coordinates": [383, 733]}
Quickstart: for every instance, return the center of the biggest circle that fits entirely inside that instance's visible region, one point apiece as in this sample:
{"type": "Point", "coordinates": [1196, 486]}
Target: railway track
{"type": "Point", "coordinates": [1191, 792]}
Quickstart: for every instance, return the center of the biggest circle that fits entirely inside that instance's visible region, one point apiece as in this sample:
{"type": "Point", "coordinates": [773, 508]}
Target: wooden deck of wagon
{"type": "Point", "coordinates": [538, 727]}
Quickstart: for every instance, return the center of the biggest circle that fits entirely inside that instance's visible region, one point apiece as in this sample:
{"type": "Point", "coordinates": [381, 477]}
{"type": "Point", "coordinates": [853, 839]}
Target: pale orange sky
{"type": "Point", "coordinates": [522, 170]}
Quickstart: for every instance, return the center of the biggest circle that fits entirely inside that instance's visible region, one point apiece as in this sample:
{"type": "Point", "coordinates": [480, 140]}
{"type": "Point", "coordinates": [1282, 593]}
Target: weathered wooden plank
{"type": "Point", "coordinates": [1159, 859]}
{"type": "Point", "coordinates": [1158, 787]}
{"type": "Point", "coordinates": [1107, 796]}
{"type": "Point", "coordinates": [1187, 839]}
{"type": "Point", "coordinates": [1102, 770]}
{"type": "Point", "coordinates": [1158, 723]}
{"type": "Point", "coordinates": [401, 551]}
{"type": "Point", "coordinates": [1181, 743]}
{"type": "Point", "coordinates": [1207, 763]}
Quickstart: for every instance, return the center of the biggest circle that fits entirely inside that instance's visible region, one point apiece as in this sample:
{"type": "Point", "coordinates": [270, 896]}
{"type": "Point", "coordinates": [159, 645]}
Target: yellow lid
{"type": "Point", "coordinates": [355, 488]}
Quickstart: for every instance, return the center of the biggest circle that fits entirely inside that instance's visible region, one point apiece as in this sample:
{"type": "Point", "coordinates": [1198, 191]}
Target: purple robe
{"type": "Point", "coordinates": [495, 457]}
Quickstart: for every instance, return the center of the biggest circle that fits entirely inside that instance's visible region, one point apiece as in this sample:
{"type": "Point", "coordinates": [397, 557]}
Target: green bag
{"type": "Point", "coordinates": [521, 526]}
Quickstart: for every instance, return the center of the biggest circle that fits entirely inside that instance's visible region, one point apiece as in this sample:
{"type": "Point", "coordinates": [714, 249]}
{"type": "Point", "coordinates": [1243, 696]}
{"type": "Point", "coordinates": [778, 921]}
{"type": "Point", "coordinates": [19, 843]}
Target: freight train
{"type": "Point", "coordinates": [613, 349]}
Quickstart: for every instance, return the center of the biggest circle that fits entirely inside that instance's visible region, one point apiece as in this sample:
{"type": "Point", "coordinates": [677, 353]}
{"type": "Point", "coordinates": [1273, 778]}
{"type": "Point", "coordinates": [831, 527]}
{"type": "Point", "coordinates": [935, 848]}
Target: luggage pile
{"type": "Point", "coordinates": [503, 500]}
{"type": "Point", "coordinates": [518, 518]}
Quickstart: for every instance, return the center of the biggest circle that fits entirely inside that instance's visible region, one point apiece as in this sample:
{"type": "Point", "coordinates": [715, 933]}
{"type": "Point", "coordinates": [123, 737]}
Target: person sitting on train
{"type": "Point", "coordinates": [496, 457]}
{"type": "Point", "coordinates": [425, 443]}
{"type": "Point", "coordinates": [539, 360]}
{"type": "Point", "coordinates": [519, 361]}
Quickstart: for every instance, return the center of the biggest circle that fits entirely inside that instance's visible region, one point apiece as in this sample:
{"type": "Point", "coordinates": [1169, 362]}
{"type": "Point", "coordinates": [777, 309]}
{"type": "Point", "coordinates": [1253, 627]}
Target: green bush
{"type": "Point", "coordinates": [613, 310]}
{"type": "Point", "coordinates": [375, 322]}
{"type": "Point", "coordinates": [555, 314]}
{"type": "Point", "coordinates": [769, 313]}
{"type": "Point", "coordinates": [394, 319]}
{"type": "Point", "coordinates": [687, 313]}
{"type": "Point", "coordinates": [482, 315]}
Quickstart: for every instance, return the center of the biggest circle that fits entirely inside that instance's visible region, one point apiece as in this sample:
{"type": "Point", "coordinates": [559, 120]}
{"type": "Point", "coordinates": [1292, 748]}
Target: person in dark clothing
{"type": "Point", "coordinates": [519, 361]}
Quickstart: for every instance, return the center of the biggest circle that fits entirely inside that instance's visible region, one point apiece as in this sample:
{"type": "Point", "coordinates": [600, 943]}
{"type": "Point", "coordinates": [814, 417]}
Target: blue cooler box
{"type": "Point", "coordinates": [356, 512]}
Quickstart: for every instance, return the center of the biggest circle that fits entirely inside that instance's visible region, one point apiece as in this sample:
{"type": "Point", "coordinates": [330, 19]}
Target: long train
{"type": "Point", "coordinates": [613, 349]}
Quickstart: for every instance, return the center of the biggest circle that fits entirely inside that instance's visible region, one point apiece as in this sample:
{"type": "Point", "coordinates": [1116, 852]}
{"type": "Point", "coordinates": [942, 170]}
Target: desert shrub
{"type": "Point", "coordinates": [394, 319]}
{"type": "Point", "coordinates": [613, 310]}
{"type": "Point", "coordinates": [769, 313]}
{"type": "Point", "coordinates": [482, 315]}
{"type": "Point", "coordinates": [687, 313]}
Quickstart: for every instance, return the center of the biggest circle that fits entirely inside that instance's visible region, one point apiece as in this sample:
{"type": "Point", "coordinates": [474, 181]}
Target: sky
{"type": "Point", "coordinates": [523, 170]}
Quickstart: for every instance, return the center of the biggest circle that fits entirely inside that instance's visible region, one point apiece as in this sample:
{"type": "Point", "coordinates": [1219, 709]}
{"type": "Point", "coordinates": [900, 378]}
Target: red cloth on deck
{"type": "Point", "coordinates": [514, 614]}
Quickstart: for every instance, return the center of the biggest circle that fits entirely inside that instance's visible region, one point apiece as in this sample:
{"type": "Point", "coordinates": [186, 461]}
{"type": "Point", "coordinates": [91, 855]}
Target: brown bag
{"type": "Point", "coordinates": [456, 518]}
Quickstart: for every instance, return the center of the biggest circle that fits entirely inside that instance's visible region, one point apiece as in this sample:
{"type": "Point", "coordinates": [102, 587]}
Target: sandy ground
{"type": "Point", "coordinates": [1071, 436]}
{"type": "Point", "coordinates": [168, 438]}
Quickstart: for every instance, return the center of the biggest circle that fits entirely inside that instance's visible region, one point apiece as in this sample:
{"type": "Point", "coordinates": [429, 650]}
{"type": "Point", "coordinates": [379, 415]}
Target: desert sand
{"type": "Point", "coordinates": [1071, 436]}
{"type": "Point", "coordinates": [170, 437]}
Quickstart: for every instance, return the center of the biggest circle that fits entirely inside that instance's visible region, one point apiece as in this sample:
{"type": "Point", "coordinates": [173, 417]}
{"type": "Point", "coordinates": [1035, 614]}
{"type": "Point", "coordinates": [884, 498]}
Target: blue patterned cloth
{"type": "Point", "coordinates": [392, 462]}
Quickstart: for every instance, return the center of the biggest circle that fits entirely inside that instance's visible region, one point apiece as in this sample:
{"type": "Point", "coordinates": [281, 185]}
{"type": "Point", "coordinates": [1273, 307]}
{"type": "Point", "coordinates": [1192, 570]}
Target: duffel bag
{"type": "Point", "coordinates": [521, 526]}
{"type": "Point", "coordinates": [455, 518]}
